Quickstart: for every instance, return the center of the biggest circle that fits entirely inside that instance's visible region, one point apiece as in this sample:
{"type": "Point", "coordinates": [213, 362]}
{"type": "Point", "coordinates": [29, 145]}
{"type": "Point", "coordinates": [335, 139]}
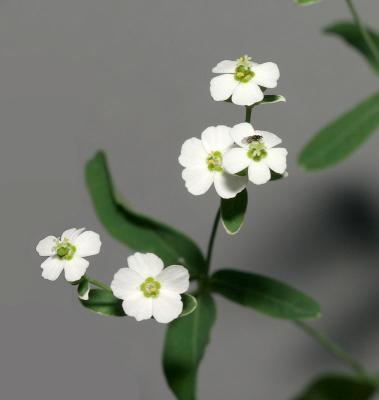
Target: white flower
{"type": "Point", "coordinates": [67, 252]}
{"type": "Point", "coordinates": [242, 79]}
{"type": "Point", "coordinates": [148, 290]}
{"type": "Point", "coordinates": [256, 152]}
{"type": "Point", "coordinates": [203, 162]}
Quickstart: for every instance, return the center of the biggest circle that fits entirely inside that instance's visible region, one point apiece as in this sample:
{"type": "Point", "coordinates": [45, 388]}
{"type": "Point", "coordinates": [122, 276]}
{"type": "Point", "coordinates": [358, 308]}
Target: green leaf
{"type": "Point", "coordinates": [306, 2]}
{"type": "Point", "coordinates": [184, 347]}
{"type": "Point", "coordinates": [350, 33]}
{"type": "Point", "coordinates": [83, 286]}
{"type": "Point", "coordinates": [272, 98]}
{"type": "Point", "coordinates": [138, 231]}
{"type": "Point", "coordinates": [340, 138]}
{"type": "Point", "coordinates": [339, 387]}
{"type": "Point", "coordinates": [104, 303]}
{"type": "Point", "coordinates": [265, 295]}
{"type": "Point", "coordinates": [233, 212]}
{"type": "Point", "coordinates": [189, 304]}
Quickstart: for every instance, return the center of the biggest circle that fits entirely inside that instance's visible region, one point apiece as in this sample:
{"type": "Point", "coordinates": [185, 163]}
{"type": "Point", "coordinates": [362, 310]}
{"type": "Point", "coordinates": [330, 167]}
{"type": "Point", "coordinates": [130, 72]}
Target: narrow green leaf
{"type": "Point", "coordinates": [104, 303]}
{"type": "Point", "coordinates": [272, 98]}
{"type": "Point", "coordinates": [233, 212]}
{"type": "Point", "coordinates": [349, 32]}
{"type": "Point", "coordinates": [265, 295]}
{"type": "Point", "coordinates": [137, 231]}
{"type": "Point", "coordinates": [340, 138]}
{"type": "Point", "coordinates": [83, 286]}
{"type": "Point", "coordinates": [189, 304]}
{"type": "Point", "coordinates": [184, 347]}
{"type": "Point", "coordinates": [339, 387]}
{"type": "Point", "coordinates": [306, 2]}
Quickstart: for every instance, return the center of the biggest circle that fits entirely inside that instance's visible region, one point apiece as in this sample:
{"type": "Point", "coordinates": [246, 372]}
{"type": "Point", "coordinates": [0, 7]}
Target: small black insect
{"type": "Point", "coordinates": [251, 139]}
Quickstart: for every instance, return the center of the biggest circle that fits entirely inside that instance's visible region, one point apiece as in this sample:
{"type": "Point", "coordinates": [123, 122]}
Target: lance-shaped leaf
{"type": "Point", "coordinates": [138, 231]}
{"type": "Point", "coordinates": [233, 212]}
{"type": "Point", "coordinates": [189, 304]}
{"type": "Point", "coordinates": [104, 303]}
{"type": "Point", "coordinates": [350, 33]}
{"type": "Point", "coordinates": [340, 138]}
{"type": "Point", "coordinates": [184, 347]}
{"type": "Point", "coordinates": [339, 387]}
{"type": "Point", "coordinates": [265, 295]}
{"type": "Point", "coordinates": [272, 98]}
{"type": "Point", "coordinates": [306, 2]}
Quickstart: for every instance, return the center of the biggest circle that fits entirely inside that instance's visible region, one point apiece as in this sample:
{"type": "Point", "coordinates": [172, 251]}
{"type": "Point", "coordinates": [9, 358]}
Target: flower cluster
{"type": "Point", "coordinates": [230, 157]}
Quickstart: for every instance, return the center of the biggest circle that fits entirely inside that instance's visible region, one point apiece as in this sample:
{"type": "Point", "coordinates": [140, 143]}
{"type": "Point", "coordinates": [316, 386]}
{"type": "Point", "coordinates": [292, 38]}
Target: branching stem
{"type": "Point", "coordinates": [212, 239]}
{"type": "Point", "coordinates": [99, 284]}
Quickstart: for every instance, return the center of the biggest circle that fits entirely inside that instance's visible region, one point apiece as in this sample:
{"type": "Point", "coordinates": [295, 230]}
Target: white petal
{"type": "Point", "coordinates": [126, 282]}
{"type": "Point", "coordinates": [270, 139]}
{"type": "Point", "coordinates": [167, 306]}
{"type": "Point", "coordinates": [87, 244]}
{"type": "Point", "coordinates": [74, 269]}
{"type": "Point", "coordinates": [174, 278]}
{"type": "Point", "coordinates": [198, 180]}
{"type": "Point", "coordinates": [246, 94]}
{"type": "Point", "coordinates": [266, 74]}
{"type": "Point", "coordinates": [72, 234]}
{"type": "Point", "coordinates": [240, 132]}
{"type": "Point", "coordinates": [52, 268]}
{"type": "Point", "coordinates": [225, 67]}
{"type": "Point", "coordinates": [222, 87]}
{"type": "Point", "coordinates": [138, 306]}
{"type": "Point", "coordinates": [276, 159]}
{"type": "Point", "coordinates": [259, 172]}
{"type": "Point", "coordinates": [46, 247]}
{"type": "Point", "coordinates": [228, 186]}
{"type": "Point", "coordinates": [236, 160]}
{"type": "Point", "coordinates": [192, 153]}
{"type": "Point", "coordinates": [216, 138]}
{"type": "Point", "coordinates": [146, 264]}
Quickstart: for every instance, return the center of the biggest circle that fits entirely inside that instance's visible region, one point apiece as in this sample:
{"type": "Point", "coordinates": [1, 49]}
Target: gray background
{"type": "Point", "coordinates": [132, 77]}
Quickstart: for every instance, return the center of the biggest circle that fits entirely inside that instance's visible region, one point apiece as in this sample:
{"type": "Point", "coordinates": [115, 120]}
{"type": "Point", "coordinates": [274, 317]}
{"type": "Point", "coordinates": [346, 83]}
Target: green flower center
{"type": "Point", "coordinates": [214, 161]}
{"type": "Point", "coordinates": [243, 72]}
{"type": "Point", "coordinates": [65, 250]}
{"type": "Point", "coordinates": [150, 288]}
{"type": "Point", "coordinates": [257, 150]}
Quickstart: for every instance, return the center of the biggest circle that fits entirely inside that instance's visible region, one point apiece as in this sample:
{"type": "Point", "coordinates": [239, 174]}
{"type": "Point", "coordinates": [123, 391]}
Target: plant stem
{"type": "Point", "coordinates": [365, 34]}
{"type": "Point", "coordinates": [249, 109]}
{"type": "Point", "coordinates": [212, 239]}
{"type": "Point", "coordinates": [332, 347]}
{"type": "Point", "coordinates": [99, 284]}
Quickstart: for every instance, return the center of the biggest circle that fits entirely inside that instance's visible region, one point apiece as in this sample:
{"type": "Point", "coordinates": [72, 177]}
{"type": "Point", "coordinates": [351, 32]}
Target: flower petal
{"type": "Point", "coordinates": [192, 153]}
{"type": "Point", "coordinates": [240, 132]}
{"type": "Point", "coordinates": [198, 179]}
{"type": "Point", "coordinates": [146, 264]}
{"type": "Point", "coordinates": [270, 139]}
{"type": "Point", "coordinates": [259, 172]}
{"type": "Point", "coordinates": [125, 282]}
{"type": "Point", "coordinates": [216, 138]}
{"type": "Point", "coordinates": [246, 94]}
{"type": "Point", "coordinates": [167, 306]}
{"type": "Point", "coordinates": [46, 247]}
{"type": "Point", "coordinates": [74, 269]}
{"type": "Point", "coordinates": [267, 75]}
{"type": "Point", "coordinates": [228, 186]}
{"type": "Point", "coordinates": [222, 87]}
{"type": "Point", "coordinates": [225, 67]}
{"type": "Point", "coordinates": [87, 244]}
{"type": "Point", "coordinates": [138, 306]}
{"type": "Point", "coordinates": [71, 234]}
{"type": "Point", "coordinates": [174, 278]}
{"type": "Point", "coordinates": [277, 159]}
{"type": "Point", "coordinates": [236, 160]}
{"type": "Point", "coordinates": [52, 268]}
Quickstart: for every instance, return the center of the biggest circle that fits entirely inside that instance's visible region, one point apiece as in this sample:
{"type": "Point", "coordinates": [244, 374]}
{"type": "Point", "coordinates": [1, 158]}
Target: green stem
{"type": "Point", "coordinates": [99, 284]}
{"type": "Point", "coordinates": [332, 347]}
{"type": "Point", "coordinates": [365, 34]}
{"type": "Point", "coordinates": [212, 239]}
{"type": "Point", "coordinates": [249, 109]}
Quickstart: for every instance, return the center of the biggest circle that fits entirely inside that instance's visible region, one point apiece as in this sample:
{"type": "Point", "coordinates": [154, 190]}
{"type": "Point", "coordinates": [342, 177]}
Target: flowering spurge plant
{"type": "Point", "coordinates": [228, 158]}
